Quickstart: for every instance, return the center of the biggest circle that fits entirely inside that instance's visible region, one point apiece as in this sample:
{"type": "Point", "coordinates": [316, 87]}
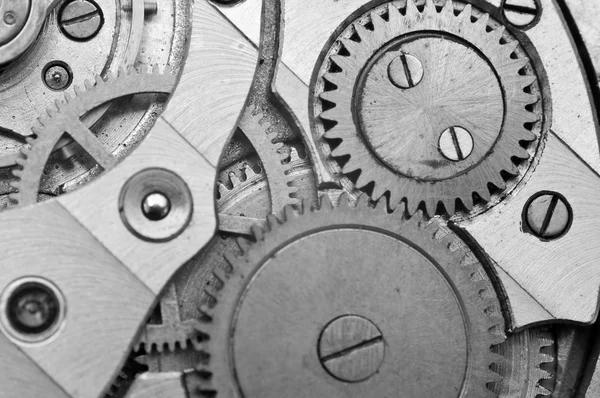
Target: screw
{"type": "Point", "coordinates": [57, 76]}
{"type": "Point", "coordinates": [156, 206]}
{"type": "Point", "coordinates": [456, 143]}
{"type": "Point", "coordinates": [405, 71]}
{"type": "Point", "coordinates": [80, 20]}
{"type": "Point", "coordinates": [351, 348]}
{"type": "Point", "coordinates": [548, 215]}
{"type": "Point", "coordinates": [33, 309]}
{"type": "Point", "coordinates": [521, 13]}
{"type": "Point", "coordinates": [10, 18]}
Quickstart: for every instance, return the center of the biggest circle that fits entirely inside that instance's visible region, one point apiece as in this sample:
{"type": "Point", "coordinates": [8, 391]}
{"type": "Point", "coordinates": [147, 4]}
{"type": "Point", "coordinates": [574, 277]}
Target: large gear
{"type": "Point", "coordinates": [66, 119]}
{"type": "Point", "coordinates": [430, 104]}
{"type": "Point", "coordinates": [318, 266]}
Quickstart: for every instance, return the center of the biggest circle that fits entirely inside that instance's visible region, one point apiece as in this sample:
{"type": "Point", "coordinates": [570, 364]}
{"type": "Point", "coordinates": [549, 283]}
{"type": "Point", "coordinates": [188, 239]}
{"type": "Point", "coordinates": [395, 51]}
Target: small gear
{"type": "Point", "coordinates": [431, 104]}
{"type": "Point", "coordinates": [351, 301]}
{"type": "Point", "coordinates": [271, 156]}
{"type": "Point", "coordinates": [527, 356]}
{"type": "Point", "coordinates": [66, 119]}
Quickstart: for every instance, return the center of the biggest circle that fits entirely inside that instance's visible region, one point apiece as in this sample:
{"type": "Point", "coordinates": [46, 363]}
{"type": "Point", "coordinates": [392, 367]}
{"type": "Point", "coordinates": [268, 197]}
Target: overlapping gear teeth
{"type": "Point", "coordinates": [247, 193]}
{"type": "Point", "coordinates": [475, 76]}
{"type": "Point", "coordinates": [228, 322]}
{"type": "Point", "coordinates": [65, 118]}
{"type": "Point", "coordinates": [271, 156]}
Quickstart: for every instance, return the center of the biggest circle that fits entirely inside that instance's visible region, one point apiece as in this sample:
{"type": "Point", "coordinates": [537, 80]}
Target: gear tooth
{"type": "Point", "coordinates": [467, 201]}
{"type": "Point", "coordinates": [466, 13]}
{"type": "Point", "coordinates": [222, 189]}
{"type": "Point", "coordinates": [343, 62]}
{"type": "Point", "coordinates": [257, 232]}
{"type": "Point", "coordinates": [289, 213]}
{"type": "Point", "coordinates": [447, 11]}
{"type": "Point", "coordinates": [336, 78]}
{"type": "Point", "coordinates": [411, 206]}
{"type": "Point", "coordinates": [485, 194]}
{"type": "Point", "coordinates": [429, 8]}
{"type": "Point", "coordinates": [220, 274]}
{"type": "Point", "coordinates": [378, 190]}
{"type": "Point", "coordinates": [272, 221]}
{"type": "Point", "coordinates": [361, 31]}
{"type": "Point", "coordinates": [527, 81]}
{"type": "Point", "coordinates": [497, 34]}
{"type": "Point", "coordinates": [378, 22]}
{"type": "Point", "coordinates": [411, 9]}
{"type": "Point", "coordinates": [244, 244]}
{"type": "Point", "coordinates": [483, 22]}
{"type": "Point", "coordinates": [450, 206]}
{"type": "Point", "coordinates": [394, 16]}
{"type": "Point", "coordinates": [511, 47]}
{"type": "Point", "coordinates": [17, 172]}
{"type": "Point", "coordinates": [249, 171]}
{"type": "Point", "coordinates": [363, 200]}
{"type": "Point", "coordinates": [235, 180]}
{"type": "Point", "coordinates": [344, 200]}
{"type": "Point", "coordinates": [330, 96]}
{"type": "Point", "coordinates": [352, 46]}
{"type": "Point", "coordinates": [325, 202]}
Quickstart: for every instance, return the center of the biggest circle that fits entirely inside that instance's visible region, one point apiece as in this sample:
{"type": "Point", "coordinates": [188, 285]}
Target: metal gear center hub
{"type": "Point", "coordinates": [403, 126]}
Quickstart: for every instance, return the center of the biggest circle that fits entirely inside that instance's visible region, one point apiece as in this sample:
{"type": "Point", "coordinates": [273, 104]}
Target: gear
{"type": "Point", "coordinates": [66, 119]}
{"type": "Point", "coordinates": [395, 280]}
{"type": "Point", "coordinates": [244, 191]}
{"type": "Point", "coordinates": [271, 156]}
{"type": "Point", "coordinates": [527, 355]}
{"type": "Point", "coordinates": [431, 105]}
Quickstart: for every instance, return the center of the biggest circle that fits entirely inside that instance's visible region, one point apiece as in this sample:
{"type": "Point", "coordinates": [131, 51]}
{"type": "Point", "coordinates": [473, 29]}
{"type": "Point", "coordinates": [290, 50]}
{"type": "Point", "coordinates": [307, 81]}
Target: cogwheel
{"type": "Point", "coordinates": [431, 104]}
{"type": "Point", "coordinates": [66, 119]}
{"type": "Point", "coordinates": [271, 156]}
{"type": "Point", "coordinates": [351, 301]}
{"type": "Point", "coordinates": [525, 354]}
{"type": "Point", "coordinates": [242, 190]}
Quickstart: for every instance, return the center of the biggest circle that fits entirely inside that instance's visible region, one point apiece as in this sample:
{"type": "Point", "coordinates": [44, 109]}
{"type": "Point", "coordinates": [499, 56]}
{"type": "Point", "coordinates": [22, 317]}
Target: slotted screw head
{"type": "Point", "coordinates": [80, 19]}
{"type": "Point", "coordinates": [405, 71]}
{"type": "Point", "coordinates": [351, 348]}
{"type": "Point", "coordinates": [456, 143]}
{"type": "Point", "coordinates": [548, 215]}
{"type": "Point", "coordinates": [521, 13]}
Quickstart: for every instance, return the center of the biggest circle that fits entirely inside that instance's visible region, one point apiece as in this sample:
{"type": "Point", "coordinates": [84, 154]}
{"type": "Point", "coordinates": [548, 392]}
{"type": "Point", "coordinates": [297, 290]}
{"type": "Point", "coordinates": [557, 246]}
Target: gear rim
{"type": "Point", "coordinates": [327, 115]}
{"type": "Point", "coordinates": [219, 320]}
{"type": "Point", "coordinates": [65, 118]}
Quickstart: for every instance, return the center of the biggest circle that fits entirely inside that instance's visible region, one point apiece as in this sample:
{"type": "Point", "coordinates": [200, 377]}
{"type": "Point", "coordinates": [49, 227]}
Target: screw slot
{"type": "Point", "coordinates": [522, 14]}
{"type": "Point", "coordinates": [547, 215]}
{"type": "Point", "coordinates": [456, 143]}
{"type": "Point", "coordinates": [80, 20]}
{"type": "Point", "coordinates": [351, 348]}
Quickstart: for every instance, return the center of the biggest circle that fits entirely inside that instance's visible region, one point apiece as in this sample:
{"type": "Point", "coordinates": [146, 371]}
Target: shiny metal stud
{"type": "Point", "coordinates": [156, 205]}
{"type": "Point", "coordinates": [351, 348]}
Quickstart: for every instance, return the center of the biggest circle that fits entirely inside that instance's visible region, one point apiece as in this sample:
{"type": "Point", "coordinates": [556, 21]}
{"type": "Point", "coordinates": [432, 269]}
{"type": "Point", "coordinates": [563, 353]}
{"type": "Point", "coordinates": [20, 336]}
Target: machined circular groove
{"type": "Point", "coordinates": [166, 183]}
{"type": "Point", "coordinates": [344, 71]}
{"type": "Point", "coordinates": [32, 338]}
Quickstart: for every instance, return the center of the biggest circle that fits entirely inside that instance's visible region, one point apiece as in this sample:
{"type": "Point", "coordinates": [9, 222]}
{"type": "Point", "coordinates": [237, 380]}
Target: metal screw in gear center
{"type": "Point", "coordinates": [456, 143]}
{"type": "Point", "coordinates": [405, 71]}
{"type": "Point", "coordinates": [351, 348]}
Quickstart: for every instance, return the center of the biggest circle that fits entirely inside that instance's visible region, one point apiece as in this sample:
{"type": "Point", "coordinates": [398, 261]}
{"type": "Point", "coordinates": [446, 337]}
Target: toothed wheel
{"type": "Point", "coordinates": [352, 302]}
{"type": "Point", "coordinates": [432, 104]}
{"type": "Point", "coordinates": [66, 119]}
